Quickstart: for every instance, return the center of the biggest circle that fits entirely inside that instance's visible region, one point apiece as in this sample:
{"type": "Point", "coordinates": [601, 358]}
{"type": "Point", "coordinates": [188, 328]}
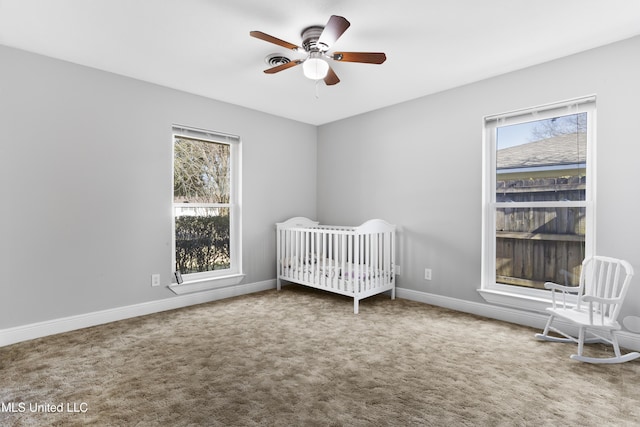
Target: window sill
{"type": "Point", "coordinates": [206, 284]}
{"type": "Point", "coordinates": [514, 300]}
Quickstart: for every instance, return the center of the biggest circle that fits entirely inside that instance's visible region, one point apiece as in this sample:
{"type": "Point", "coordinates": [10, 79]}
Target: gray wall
{"type": "Point", "coordinates": [85, 164]}
{"type": "Point", "coordinates": [419, 165]}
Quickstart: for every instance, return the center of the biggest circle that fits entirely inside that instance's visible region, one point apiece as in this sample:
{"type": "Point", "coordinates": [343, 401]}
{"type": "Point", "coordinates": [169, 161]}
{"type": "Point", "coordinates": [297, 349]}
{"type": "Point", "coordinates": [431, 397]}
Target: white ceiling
{"type": "Point", "coordinates": [204, 47]}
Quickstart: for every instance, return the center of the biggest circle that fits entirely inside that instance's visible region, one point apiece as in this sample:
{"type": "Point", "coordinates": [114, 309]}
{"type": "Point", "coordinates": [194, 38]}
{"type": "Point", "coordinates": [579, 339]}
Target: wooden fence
{"type": "Point", "coordinates": [535, 245]}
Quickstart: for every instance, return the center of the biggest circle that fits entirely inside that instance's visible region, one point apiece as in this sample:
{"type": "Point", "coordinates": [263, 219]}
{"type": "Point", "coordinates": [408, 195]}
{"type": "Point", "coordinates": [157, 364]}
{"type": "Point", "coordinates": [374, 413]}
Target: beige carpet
{"type": "Point", "coordinates": [300, 357]}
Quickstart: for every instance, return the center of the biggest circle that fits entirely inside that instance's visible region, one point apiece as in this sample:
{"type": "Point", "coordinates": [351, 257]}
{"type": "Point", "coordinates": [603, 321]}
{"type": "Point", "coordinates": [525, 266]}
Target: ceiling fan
{"type": "Point", "coordinates": [316, 42]}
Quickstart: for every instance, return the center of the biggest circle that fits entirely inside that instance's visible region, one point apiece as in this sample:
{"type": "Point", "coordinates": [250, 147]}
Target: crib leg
{"type": "Point", "coordinates": [278, 283]}
{"type": "Point", "coordinates": [355, 305]}
{"type": "Point", "coordinates": [393, 293]}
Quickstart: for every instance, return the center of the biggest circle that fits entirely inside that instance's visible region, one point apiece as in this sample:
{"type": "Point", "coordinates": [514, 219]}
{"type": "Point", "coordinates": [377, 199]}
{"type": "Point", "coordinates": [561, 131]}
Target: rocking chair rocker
{"type": "Point", "coordinates": [604, 283]}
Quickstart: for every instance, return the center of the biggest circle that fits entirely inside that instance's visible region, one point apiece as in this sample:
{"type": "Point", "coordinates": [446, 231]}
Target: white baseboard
{"type": "Point", "coordinates": [626, 339]}
{"type": "Point", "coordinates": [41, 329]}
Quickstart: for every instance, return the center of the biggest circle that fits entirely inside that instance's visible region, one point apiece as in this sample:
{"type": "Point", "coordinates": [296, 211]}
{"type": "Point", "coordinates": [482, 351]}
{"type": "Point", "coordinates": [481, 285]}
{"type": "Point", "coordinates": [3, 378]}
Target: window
{"type": "Point", "coordinates": [538, 201]}
{"type": "Point", "coordinates": [206, 208]}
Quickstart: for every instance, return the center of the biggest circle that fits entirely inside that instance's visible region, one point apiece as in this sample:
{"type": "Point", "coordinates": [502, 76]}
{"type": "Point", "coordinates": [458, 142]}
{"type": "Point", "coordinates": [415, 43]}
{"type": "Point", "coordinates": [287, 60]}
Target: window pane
{"type": "Point", "coordinates": [543, 160]}
{"type": "Point", "coordinates": [202, 239]}
{"type": "Point", "coordinates": [201, 171]}
{"type": "Point", "coordinates": [534, 245]}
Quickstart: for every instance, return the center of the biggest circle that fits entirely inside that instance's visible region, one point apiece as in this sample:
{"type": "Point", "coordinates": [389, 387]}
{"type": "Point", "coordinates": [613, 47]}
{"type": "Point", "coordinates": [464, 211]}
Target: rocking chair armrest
{"type": "Point", "coordinates": [590, 299]}
{"type": "Point", "coordinates": [593, 298]}
{"type": "Point", "coordinates": [556, 287]}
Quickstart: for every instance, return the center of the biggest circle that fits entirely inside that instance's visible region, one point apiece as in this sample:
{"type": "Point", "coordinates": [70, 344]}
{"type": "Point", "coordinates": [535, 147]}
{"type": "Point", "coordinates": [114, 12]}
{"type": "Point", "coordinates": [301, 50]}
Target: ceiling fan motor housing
{"type": "Point", "coordinates": [310, 36]}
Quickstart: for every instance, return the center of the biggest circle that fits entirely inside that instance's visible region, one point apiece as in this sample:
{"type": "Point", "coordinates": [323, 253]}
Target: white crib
{"type": "Point", "coordinates": [355, 261]}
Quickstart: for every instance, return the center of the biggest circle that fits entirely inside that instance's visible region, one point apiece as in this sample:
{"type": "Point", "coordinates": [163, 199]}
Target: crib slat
{"type": "Point", "coordinates": [278, 258]}
{"type": "Point", "coordinates": [327, 259]}
{"type": "Point", "coordinates": [292, 247]}
{"type": "Point", "coordinates": [336, 259]}
{"type": "Point", "coordinates": [323, 278]}
{"type": "Point", "coordinates": [294, 264]}
{"type": "Point", "coordinates": [297, 254]}
{"type": "Point", "coordinates": [367, 262]}
{"type": "Point", "coordinates": [304, 262]}
{"type": "Point", "coordinates": [343, 261]}
{"type": "Point", "coordinates": [316, 240]}
{"type": "Point", "coordinates": [346, 272]}
{"type": "Point", "coordinates": [336, 255]}
{"type": "Point", "coordinates": [374, 259]}
{"type": "Point", "coordinates": [288, 259]}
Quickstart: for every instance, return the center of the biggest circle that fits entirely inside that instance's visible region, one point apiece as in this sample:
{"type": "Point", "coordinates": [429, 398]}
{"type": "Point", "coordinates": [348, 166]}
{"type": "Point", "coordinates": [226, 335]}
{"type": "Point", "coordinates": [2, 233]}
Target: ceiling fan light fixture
{"type": "Point", "coordinates": [315, 68]}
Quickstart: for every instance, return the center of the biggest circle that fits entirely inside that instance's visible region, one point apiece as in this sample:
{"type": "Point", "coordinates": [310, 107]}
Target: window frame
{"type": "Point", "coordinates": [233, 275]}
{"type": "Point", "coordinates": [517, 296]}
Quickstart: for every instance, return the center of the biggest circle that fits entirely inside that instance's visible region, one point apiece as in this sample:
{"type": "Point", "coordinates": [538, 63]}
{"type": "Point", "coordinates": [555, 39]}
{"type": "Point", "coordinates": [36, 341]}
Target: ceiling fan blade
{"type": "Point", "coordinates": [331, 78]}
{"type": "Point", "coordinates": [364, 57]}
{"type": "Point", "coordinates": [336, 26]}
{"type": "Point", "coordinates": [266, 37]}
{"type": "Point", "coordinates": [281, 67]}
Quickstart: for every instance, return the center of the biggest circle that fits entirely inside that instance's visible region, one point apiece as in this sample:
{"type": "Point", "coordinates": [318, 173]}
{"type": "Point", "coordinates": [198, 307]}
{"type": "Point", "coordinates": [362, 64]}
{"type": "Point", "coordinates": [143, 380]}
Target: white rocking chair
{"type": "Point", "coordinates": [603, 286]}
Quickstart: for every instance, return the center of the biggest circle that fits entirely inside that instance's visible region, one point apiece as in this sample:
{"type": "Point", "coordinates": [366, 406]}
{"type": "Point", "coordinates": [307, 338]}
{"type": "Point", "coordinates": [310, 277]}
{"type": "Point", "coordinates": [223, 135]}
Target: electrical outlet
{"type": "Point", "coordinates": [398, 270]}
{"type": "Point", "coordinates": [155, 280]}
{"type": "Point", "coordinates": [427, 274]}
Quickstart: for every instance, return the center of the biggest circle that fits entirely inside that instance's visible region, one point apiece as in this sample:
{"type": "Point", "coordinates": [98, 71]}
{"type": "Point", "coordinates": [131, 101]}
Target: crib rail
{"type": "Point", "coordinates": [355, 261]}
